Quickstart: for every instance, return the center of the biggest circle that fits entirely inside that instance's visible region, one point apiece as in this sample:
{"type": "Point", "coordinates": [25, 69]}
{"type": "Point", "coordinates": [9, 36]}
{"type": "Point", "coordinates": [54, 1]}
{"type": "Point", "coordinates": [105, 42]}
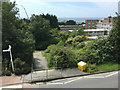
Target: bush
{"type": "Point", "coordinates": [48, 49]}
{"type": "Point", "coordinates": [7, 73]}
{"type": "Point", "coordinates": [80, 45]}
{"type": "Point", "coordinates": [61, 43]}
{"type": "Point", "coordinates": [76, 41]}
{"type": "Point", "coordinates": [69, 40]}
{"type": "Point", "coordinates": [21, 67]}
{"type": "Point", "coordinates": [62, 57]}
{"type": "Point", "coordinates": [90, 68]}
{"type": "Point", "coordinates": [17, 71]}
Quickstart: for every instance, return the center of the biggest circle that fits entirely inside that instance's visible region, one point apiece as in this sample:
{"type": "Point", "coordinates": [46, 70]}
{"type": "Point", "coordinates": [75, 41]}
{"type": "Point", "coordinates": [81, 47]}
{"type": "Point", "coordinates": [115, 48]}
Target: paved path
{"type": "Point", "coordinates": [40, 61]}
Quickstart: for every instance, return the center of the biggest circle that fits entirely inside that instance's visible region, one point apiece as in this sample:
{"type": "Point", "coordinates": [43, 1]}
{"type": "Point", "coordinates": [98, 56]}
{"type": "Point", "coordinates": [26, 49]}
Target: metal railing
{"type": "Point", "coordinates": [46, 73]}
{"type": "Point", "coordinates": [43, 74]}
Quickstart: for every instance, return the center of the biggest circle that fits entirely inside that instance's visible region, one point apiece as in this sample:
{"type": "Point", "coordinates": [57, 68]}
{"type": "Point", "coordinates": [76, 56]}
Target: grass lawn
{"type": "Point", "coordinates": [108, 67]}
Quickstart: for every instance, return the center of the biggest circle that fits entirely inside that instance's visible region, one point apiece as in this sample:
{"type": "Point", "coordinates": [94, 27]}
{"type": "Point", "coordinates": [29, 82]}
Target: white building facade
{"type": "Point", "coordinates": [96, 32]}
{"type": "Point", "coordinates": [105, 23]}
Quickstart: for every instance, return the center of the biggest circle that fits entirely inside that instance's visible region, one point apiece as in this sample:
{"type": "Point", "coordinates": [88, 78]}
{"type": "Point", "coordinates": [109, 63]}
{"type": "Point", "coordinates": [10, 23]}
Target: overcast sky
{"type": "Point", "coordinates": [69, 8]}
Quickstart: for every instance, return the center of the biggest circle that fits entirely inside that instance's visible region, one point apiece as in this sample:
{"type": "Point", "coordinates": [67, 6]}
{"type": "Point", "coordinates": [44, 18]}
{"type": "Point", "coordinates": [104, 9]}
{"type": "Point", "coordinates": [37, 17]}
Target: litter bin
{"type": "Point", "coordinates": [81, 65]}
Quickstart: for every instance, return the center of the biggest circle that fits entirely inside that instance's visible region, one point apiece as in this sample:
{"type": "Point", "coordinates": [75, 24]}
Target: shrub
{"type": "Point", "coordinates": [61, 43]}
{"type": "Point", "coordinates": [69, 40]}
{"type": "Point", "coordinates": [78, 39]}
{"type": "Point", "coordinates": [19, 66]}
{"type": "Point", "coordinates": [63, 56]}
{"type": "Point", "coordinates": [90, 68]}
{"type": "Point", "coordinates": [48, 49]}
{"type": "Point", "coordinates": [8, 73]}
{"type": "Point", "coordinates": [80, 45]}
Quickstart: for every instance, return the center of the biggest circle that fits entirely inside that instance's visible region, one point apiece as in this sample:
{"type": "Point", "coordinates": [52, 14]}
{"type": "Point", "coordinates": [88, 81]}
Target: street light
{"type": "Point", "coordinates": [9, 50]}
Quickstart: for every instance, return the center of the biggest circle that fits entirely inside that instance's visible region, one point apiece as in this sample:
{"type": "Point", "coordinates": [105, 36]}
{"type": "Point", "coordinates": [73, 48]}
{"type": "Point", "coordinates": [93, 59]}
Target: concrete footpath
{"type": "Point", "coordinates": [46, 75]}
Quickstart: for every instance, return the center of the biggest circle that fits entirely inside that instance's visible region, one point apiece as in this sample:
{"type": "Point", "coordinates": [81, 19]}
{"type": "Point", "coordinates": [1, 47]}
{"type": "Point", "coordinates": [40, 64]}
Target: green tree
{"type": "Point", "coordinates": [52, 19]}
{"type": "Point", "coordinates": [75, 33]}
{"type": "Point", "coordinates": [15, 33]}
{"type": "Point", "coordinates": [40, 28]}
{"type": "Point", "coordinates": [63, 35]}
{"type": "Point", "coordinates": [114, 39]}
{"type": "Point", "coordinates": [61, 23]}
{"type": "Point", "coordinates": [71, 22]}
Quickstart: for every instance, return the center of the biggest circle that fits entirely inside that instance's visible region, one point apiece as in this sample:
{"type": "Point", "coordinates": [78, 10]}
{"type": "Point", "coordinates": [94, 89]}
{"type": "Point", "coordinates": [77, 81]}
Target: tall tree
{"type": "Point", "coordinates": [41, 30]}
{"type": "Point", "coordinates": [70, 22]}
{"type": "Point", "coordinates": [114, 39]}
{"type": "Point", "coordinates": [52, 19]}
{"type": "Point", "coordinates": [15, 33]}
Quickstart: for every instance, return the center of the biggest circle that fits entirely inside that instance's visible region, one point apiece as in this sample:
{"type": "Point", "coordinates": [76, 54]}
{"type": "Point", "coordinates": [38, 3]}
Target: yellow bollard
{"type": "Point", "coordinates": [81, 65]}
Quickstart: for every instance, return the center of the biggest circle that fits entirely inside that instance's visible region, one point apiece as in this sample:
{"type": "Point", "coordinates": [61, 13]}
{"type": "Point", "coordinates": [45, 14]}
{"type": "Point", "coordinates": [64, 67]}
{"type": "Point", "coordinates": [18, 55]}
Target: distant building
{"type": "Point", "coordinates": [105, 23]}
{"type": "Point", "coordinates": [90, 24]}
{"type": "Point", "coordinates": [119, 7]}
{"type": "Point", "coordinates": [70, 27]}
{"type": "Point", "coordinates": [97, 32]}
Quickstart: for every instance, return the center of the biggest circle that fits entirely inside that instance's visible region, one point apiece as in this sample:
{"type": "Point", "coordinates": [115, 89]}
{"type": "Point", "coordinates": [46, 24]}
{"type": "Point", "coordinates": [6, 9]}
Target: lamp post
{"type": "Point", "coordinates": [9, 50]}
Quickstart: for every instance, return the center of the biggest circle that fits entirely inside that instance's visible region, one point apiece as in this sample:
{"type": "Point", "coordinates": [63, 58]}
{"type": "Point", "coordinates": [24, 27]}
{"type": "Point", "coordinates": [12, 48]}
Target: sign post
{"type": "Point", "coordinates": [9, 50]}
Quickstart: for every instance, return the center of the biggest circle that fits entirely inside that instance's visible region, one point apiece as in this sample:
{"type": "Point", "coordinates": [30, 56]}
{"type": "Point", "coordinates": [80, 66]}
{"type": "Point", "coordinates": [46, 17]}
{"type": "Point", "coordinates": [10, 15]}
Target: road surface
{"type": "Point", "coordinates": [105, 80]}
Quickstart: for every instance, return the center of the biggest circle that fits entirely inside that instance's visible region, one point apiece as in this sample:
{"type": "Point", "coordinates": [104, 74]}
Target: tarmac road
{"type": "Point", "coordinates": [108, 80]}
{"type": "Point", "coordinates": [103, 80]}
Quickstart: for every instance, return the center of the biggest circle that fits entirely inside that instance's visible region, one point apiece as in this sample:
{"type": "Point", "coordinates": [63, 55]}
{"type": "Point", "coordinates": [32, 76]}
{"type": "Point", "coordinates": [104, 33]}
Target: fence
{"type": "Point", "coordinates": [43, 74]}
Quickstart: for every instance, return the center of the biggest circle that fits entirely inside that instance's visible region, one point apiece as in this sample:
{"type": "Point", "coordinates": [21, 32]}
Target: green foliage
{"type": "Point", "coordinates": [76, 41]}
{"type": "Point", "coordinates": [109, 66]}
{"type": "Point", "coordinates": [7, 73]}
{"type": "Point", "coordinates": [49, 48]}
{"type": "Point", "coordinates": [69, 40]}
{"type": "Point", "coordinates": [74, 33]}
{"type": "Point", "coordinates": [80, 45]}
{"type": "Point", "coordinates": [52, 19]}
{"type": "Point", "coordinates": [103, 50]}
{"type": "Point", "coordinates": [63, 35]}
{"type": "Point", "coordinates": [40, 29]}
{"type": "Point", "coordinates": [19, 66]}
{"type": "Point", "coordinates": [90, 68]}
{"type": "Point", "coordinates": [61, 43]}
{"type": "Point", "coordinates": [16, 34]}
{"type": "Point", "coordinates": [61, 23]}
{"type": "Point", "coordinates": [42, 32]}
{"type": "Point", "coordinates": [77, 32]}
{"type": "Point", "coordinates": [93, 52]}
{"type": "Point", "coordinates": [62, 57]}
{"type": "Point", "coordinates": [114, 39]}
{"type": "Point", "coordinates": [71, 22]}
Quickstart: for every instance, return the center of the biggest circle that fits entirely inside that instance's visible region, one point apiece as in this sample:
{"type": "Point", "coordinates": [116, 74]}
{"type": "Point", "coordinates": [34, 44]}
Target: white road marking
{"type": "Point", "coordinates": [73, 80]}
{"type": "Point", "coordinates": [92, 76]}
{"type": "Point", "coordinates": [111, 74]}
{"type": "Point", "coordinates": [54, 83]}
